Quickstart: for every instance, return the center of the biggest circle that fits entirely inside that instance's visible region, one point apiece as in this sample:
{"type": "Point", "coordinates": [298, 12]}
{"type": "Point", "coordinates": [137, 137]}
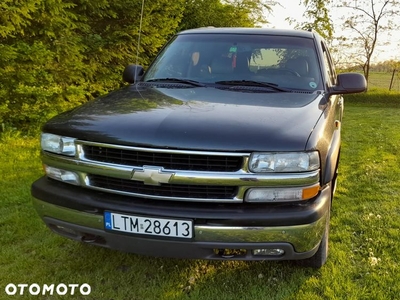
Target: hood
{"type": "Point", "coordinates": [201, 118]}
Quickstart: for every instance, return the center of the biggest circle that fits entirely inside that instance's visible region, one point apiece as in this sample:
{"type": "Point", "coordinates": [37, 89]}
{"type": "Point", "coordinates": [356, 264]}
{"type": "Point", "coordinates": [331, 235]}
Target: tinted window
{"type": "Point", "coordinates": [287, 61]}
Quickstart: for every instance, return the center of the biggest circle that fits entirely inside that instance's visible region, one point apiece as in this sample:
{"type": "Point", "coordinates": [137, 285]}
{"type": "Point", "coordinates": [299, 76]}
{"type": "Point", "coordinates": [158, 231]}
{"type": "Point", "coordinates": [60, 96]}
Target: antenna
{"type": "Point", "coordinates": [140, 33]}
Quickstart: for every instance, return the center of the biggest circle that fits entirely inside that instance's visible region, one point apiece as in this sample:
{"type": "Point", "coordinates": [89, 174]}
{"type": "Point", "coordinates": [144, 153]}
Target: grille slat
{"type": "Point", "coordinates": [172, 161]}
{"type": "Point", "coordinates": [163, 190]}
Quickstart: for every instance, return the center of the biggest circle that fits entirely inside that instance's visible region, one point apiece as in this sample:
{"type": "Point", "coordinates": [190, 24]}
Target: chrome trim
{"type": "Point", "coordinates": [303, 237]}
{"type": "Point", "coordinates": [155, 175]}
{"type": "Point", "coordinates": [238, 178]}
{"type": "Point", "coordinates": [66, 214]}
{"type": "Point", "coordinates": [246, 179]}
{"type": "Point", "coordinates": [245, 166]}
{"type": "Point", "coordinates": [242, 179]}
{"type": "Point", "coordinates": [156, 150]}
{"type": "Point", "coordinates": [236, 199]}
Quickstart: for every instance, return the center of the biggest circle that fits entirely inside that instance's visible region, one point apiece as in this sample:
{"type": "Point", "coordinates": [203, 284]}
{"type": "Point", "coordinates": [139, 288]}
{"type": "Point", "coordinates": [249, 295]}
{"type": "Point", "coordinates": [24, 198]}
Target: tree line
{"type": "Point", "coordinates": [57, 54]}
{"type": "Point", "coordinates": [387, 66]}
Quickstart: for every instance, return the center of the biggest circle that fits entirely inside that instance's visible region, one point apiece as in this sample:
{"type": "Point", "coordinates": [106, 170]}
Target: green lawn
{"type": "Point", "coordinates": [383, 80]}
{"type": "Point", "coordinates": [364, 242]}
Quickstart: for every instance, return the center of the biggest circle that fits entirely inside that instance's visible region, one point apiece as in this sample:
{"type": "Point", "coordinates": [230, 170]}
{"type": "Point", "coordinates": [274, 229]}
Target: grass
{"type": "Point", "coordinates": [365, 232]}
{"type": "Point", "coordinates": [383, 79]}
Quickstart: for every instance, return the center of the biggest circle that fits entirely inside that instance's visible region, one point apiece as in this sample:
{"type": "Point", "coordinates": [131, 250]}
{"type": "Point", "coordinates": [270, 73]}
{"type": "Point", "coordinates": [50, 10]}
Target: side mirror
{"type": "Point", "coordinates": [132, 73]}
{"type": "Point", "coordinates": [348, 83]}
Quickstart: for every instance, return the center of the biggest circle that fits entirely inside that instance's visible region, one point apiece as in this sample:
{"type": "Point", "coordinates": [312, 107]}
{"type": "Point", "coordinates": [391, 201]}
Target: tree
{"type": "Point", "coordinates": [368, 21]}
{"type": "Point", "coordinates": [57, 54]}
{"type": "Point", "coordinates": [37, 42]}
{"type": "Point", "coordinates": [318, 19]}
{"type": "Point", "coordinates": [228, 13]}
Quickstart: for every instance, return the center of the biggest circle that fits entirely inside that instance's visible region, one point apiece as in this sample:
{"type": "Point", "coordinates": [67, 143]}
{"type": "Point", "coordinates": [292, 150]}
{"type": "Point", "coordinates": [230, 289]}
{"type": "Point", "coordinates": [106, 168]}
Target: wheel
{"type": "Point", "coordinates": [319, 258]}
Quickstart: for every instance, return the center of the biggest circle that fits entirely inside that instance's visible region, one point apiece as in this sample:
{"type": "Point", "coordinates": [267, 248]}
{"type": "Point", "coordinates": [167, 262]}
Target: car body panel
{"type": "Point", "coordinates": [195, 119]}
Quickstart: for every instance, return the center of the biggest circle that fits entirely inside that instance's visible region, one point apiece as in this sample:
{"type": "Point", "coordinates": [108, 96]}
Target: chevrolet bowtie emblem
{"type": "Point", "coordinates": [151, 175]}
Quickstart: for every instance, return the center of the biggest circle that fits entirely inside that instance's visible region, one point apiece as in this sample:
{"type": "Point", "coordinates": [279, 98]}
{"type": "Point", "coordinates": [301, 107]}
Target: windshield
{"type": "Point", "coordinates": [287, 62]}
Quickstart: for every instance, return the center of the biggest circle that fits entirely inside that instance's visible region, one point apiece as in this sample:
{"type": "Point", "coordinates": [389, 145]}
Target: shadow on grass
{"type": "Point", "coordinates": [116, 275]}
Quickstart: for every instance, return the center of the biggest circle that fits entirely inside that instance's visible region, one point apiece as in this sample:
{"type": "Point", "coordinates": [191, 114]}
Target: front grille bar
{"type": "Point", "coordinates": [163, 190]}
{"type": "Point", "coordinates": [169, 161]}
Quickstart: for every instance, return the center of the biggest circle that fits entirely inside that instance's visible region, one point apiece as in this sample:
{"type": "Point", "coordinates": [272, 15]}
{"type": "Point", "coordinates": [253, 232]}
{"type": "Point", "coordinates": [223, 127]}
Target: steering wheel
{"type": "Point", "coordinates": [289, 71]}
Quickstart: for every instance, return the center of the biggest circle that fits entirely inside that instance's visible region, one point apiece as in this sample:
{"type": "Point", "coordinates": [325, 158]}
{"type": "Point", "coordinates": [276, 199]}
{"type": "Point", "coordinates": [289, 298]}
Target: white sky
{"type": "Point", "coordinates": [293, 9]}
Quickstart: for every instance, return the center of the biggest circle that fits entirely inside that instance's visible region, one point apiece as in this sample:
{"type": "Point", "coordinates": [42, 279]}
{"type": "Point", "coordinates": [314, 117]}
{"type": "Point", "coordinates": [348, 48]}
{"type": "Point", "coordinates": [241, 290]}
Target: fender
{"type": "Point", "coordinates": [332, 155]}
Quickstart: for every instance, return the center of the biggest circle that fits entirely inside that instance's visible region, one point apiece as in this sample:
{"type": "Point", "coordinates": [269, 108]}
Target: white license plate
{"type": "Point", "coordinates": [148, 226]}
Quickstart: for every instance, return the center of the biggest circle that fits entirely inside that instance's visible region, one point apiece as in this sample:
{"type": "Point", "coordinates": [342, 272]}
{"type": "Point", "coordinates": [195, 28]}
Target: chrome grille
{"type": "Point", "coordinates": [170, 161]}
{"type": "Point", "coordinates": [170, 174]}
{"type": "Point", "coordinates": [163, 190]}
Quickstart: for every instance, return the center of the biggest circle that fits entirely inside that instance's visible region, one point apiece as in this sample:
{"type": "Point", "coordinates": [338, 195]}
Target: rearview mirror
{"type": "Point", "coordinates": [348, 83]}
{"type": "Point", "coordinates": [132, 73]}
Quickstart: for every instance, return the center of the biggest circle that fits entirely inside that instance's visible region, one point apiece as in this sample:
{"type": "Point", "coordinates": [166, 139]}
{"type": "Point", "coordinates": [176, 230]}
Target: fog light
{"type": "Point", "coordinates": [64, 231]}
{"type": "Point", "coordinates": [62, 175]}
{"type": "Point", "coordinates": [268, 252]}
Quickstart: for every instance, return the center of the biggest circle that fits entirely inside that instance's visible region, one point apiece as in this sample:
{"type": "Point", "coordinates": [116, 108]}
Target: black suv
{"type": "Point", "coordinates": [227, 147]}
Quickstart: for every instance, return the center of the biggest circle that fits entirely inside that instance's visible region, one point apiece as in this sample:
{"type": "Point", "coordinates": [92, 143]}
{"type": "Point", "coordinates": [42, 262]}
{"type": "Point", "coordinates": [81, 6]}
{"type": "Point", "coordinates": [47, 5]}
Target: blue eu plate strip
{"type": "Point", "coordinates": [107, 220]}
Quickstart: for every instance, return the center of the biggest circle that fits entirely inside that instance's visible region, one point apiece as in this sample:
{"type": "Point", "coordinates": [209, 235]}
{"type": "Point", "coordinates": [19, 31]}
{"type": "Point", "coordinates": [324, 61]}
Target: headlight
{"type": "Point", "coordinates": [58, 144]}
{"type": "Point", "coordinates": [284, 162]}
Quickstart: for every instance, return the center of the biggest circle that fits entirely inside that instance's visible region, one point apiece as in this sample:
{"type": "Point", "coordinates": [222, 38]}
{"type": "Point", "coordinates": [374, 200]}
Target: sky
{"type": "Point", "coordinates": [293, 9]}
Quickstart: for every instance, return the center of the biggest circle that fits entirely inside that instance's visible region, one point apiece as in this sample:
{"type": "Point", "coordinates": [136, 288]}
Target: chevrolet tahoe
{"type": "Point", "coordinates": [226, 147]}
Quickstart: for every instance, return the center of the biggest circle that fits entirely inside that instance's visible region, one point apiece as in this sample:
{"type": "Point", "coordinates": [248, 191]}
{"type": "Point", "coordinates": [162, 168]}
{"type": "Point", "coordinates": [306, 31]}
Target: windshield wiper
{"type": "Point", "coordinates": [177, 80]}
{"type": "Point", "coordinates": [252, 83]}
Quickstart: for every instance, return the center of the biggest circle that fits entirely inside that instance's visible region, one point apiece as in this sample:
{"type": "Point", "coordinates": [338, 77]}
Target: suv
{"type": "Point", "coordinates": [227, 147]}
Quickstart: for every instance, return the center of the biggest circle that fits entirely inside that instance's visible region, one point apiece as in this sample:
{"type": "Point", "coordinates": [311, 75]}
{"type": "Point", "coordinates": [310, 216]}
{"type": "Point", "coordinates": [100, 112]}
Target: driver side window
{"type": "Point", "coordinates": [329, 66]}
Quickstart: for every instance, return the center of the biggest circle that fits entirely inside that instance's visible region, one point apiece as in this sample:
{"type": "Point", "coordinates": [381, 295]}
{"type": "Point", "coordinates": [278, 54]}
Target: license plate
{"type": "Point", "coordinates": [148, 226]}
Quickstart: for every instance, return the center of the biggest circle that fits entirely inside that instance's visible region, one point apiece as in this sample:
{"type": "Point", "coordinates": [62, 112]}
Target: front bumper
{"type": "Point", "coordinates": [77, 213]}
